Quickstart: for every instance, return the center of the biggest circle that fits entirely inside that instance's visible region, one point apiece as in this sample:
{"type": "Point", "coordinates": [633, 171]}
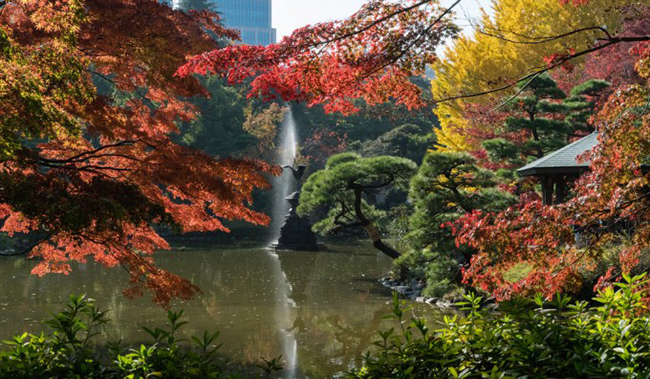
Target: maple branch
{"type": "Point", "coordinates": [76, 158]}
{"type": "Point", "coordinates": [417, 40]}
{"type": "Point", "coordinates": [375, 23]}
{"type": "Point", "coordinates": [109, 168]}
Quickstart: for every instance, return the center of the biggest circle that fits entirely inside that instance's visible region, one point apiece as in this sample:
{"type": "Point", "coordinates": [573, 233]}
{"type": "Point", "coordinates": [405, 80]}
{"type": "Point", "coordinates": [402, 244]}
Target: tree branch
{"type": "Point", "coordinates": [549, 67]}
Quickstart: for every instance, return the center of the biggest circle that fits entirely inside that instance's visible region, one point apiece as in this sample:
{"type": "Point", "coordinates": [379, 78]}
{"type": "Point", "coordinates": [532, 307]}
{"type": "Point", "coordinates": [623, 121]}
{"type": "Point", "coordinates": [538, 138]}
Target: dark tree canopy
{"type": "Point", "coordinates": [344, 186]}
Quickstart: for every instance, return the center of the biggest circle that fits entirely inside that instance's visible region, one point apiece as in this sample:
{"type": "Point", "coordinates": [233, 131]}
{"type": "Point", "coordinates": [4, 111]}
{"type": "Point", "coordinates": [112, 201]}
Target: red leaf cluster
{"type": "Point", "coordinates": [554, 245]}
{"type": "Point", "coordinates": [92, 91]}
{"type": "Point", "coordinates": [371, 56]}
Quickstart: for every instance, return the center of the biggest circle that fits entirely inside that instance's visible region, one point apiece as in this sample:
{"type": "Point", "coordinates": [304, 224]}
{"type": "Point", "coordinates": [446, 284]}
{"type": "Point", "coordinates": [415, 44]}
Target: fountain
{"type": "Point", "coordinates": [295, 233]}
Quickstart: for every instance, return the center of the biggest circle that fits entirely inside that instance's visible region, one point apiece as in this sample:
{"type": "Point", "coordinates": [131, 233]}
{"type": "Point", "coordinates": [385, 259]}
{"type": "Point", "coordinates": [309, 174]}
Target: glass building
{"type": "Point", "coordinates": [251, 17]}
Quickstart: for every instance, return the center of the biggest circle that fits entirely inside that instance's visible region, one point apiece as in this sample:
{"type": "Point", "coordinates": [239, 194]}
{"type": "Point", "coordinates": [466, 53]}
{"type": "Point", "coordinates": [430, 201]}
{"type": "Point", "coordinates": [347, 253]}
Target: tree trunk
{"type": "Point", "coordinates": [371, 229]}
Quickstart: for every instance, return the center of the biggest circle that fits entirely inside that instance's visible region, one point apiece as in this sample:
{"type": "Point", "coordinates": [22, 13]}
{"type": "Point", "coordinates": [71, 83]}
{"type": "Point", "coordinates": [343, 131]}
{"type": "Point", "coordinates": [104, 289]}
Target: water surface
{"type": "Point", "coordinates": [320, 310]}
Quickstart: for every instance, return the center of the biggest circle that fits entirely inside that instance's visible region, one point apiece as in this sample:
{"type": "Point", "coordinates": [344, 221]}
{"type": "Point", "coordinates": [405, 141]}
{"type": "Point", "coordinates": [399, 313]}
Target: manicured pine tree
{"type": "Point", "coordinates": [446, 186]}
{"type": "Point", "coordinates": [537, 113]}
{"type": "Point", "coordinates": [548, 123]}
{"type": "Point", "coordinates": [582, 103]}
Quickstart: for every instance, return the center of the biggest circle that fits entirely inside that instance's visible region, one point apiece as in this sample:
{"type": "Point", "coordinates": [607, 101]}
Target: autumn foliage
{"type": "Point", "coordinates": [369, 56]}
{"type": "Point", "coordinates": [559, 243]}
{"type": "Point", "coordinates": [91, 92]}
{"type": "Point", "coordinates": [88, 104]}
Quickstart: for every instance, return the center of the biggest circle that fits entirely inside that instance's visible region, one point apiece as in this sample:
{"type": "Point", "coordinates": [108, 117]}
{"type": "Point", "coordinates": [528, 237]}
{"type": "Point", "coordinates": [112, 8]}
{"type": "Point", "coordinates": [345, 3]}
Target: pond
{"type": "Point", "coordinates": [320, 310]}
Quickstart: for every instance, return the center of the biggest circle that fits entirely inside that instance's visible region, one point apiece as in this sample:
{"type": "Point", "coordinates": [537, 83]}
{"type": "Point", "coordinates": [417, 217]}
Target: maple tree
{"type": "Point", "coordinates": [91, 172]}
{"type": "Point", "coordinates": [371, 55]}
{"type": "Point", "coordinates": [610, 201]}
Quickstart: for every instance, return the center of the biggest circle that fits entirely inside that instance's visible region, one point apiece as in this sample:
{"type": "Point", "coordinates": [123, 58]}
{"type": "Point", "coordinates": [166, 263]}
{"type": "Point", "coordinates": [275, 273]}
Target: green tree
{"type": "Point", "coordinates": [406, 141]}
{"type": "Point", "coordinates": [582, 104]}
{"type": "Point", "coordinates": [538, 114]}
{"type": "Point", "coordinates": [547, 119]}
{"type": "Point", "coordinates": [343, 188]}
{"type": "Point", "coordinates": [446, 186]}
{"type": "Point", "coordinates": [219, 130]}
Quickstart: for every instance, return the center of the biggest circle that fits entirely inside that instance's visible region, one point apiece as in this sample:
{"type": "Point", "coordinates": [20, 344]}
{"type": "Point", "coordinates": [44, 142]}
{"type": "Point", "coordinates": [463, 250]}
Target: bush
{"type": "Point", "coordinates": [67, 352]}
{"type": "Point", "coordinates": [525, 339]}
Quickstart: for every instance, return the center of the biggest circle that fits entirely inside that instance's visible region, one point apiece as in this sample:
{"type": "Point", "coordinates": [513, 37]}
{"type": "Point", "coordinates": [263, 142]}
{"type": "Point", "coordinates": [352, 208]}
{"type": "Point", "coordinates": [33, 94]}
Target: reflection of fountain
{"type": "Point", "coordinates": [284, 319]}
{"type": "Point", "coordinates": [296, 233]}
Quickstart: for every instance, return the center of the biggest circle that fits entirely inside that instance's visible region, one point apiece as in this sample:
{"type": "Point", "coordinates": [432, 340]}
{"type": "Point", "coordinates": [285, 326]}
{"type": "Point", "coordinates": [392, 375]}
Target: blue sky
{"type": "Point", "coordinates": [291, 14]}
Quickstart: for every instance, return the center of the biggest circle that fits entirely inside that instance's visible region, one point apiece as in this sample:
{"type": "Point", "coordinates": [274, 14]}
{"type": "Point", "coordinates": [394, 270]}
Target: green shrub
{"type": "Point", "coordinates": [67, 352]}
{"type": "Point", "coordinates": [524, 339]}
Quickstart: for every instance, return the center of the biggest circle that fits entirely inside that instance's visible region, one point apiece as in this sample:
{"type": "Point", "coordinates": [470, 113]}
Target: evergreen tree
{"type": "Point", "coordinates": [446, 186]}
{"type": "Point", "coordinates": [219, 130]}
{"type": "Point", "coordinates": [406, 141]}
{"type": "Point", "coordinates": [343, 189]}
{"type": "Point", "coordinates": [546, 123]}
{"type": "Point", "coordinates": [536, 113]}
{"type": "Point", "coordinates": [581, 104]}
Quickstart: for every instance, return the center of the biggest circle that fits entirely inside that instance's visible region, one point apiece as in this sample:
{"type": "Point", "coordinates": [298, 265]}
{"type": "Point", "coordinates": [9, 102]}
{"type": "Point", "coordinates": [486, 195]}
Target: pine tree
{"type": "Point", "coordinates": [582, 103]}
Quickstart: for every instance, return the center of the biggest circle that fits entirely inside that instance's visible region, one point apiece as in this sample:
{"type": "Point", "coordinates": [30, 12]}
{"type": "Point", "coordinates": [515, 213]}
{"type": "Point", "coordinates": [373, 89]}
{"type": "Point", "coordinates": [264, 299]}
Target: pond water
{"type": "Point", "coordinates": [320, 310]}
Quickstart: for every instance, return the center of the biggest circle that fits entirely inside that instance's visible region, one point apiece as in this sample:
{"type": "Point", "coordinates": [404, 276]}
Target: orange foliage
{"type": "Point", "coordinates": [89, 103]}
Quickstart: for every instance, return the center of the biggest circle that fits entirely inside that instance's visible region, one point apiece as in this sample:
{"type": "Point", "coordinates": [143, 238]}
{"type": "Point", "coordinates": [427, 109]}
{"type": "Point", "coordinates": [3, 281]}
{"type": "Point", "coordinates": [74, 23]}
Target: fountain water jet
{"type": "Point", "coordinates": [282, 185]}
{"type": "Point", "coordinates": [296, 233]}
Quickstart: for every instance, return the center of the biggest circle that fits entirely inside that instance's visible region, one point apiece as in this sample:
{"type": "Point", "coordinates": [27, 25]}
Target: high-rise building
{"type": "Point", "coordinates": [251, 17]}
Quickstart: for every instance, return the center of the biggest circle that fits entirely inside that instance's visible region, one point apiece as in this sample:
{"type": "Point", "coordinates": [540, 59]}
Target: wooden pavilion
{"type": "Point", "coordinates": [560, 168]}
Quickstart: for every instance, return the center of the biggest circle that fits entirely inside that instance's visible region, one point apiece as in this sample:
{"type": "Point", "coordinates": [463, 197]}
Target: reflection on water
{"type": "Point", "coordinates": [319, 310]}
{"type": "Point", "coordinates": [283, 317]}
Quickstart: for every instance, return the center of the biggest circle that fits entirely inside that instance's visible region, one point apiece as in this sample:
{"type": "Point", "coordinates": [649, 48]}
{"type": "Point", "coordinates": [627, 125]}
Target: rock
{"type": "Point", "coordinates": [444, 304]}
{"type": "Point", "coordinates": [413, 295]}
{"type": "Point", "coordinates": [417, 286]}
{"type": "Point", "coordinates": [420, 299]}
{"type": "Point", "coordinates": [432, 300]}
{"type": "Point", "coordinates": [402, 290]}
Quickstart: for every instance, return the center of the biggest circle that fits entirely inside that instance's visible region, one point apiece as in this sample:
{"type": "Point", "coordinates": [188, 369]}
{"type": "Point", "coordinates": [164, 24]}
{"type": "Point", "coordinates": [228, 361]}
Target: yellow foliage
{"type": "Point", "coordinates": [491, 59]}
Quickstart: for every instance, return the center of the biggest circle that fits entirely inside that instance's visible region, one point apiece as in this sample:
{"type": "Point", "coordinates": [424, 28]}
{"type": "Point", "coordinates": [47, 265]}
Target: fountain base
{"type": "Point", "coordinates": [296, 233]}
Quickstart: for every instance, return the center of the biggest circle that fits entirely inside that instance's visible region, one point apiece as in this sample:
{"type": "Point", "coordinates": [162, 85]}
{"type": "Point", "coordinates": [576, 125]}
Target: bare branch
{"type": "Point", "coordinates": [549, 67]}
{"type": "Point", "coordinates": [540, 40]}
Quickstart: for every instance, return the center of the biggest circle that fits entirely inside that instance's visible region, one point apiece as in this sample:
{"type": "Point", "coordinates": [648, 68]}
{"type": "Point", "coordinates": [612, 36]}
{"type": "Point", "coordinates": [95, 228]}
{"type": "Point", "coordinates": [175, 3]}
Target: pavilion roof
{"type": "Point", "coordinates": [563, 161]}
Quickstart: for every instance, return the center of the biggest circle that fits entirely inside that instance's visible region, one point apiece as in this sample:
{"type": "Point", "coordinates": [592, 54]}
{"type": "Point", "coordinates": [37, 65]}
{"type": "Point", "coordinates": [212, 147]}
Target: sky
{"type": "Point", "coordinates": [292, 14]}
